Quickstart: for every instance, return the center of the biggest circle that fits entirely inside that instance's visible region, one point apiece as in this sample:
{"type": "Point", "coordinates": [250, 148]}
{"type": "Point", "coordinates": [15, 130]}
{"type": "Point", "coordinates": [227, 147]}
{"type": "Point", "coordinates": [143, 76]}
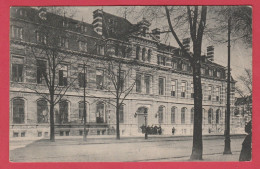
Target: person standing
{"type": "Point", "coordinates": [246, 151]}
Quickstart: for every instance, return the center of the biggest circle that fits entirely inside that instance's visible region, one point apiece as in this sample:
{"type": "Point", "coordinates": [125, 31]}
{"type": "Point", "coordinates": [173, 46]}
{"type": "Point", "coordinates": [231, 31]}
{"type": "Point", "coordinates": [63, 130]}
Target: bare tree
{"type": "Point", "coordinates": [119, 80]}
{"type": "Point", "coordinates": [245, 90]}
{"type": "Point", "coordinates": [52, 62]}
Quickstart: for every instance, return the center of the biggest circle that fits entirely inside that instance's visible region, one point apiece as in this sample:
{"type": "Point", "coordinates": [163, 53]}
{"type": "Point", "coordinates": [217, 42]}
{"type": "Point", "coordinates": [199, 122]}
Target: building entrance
{"type": "Point", "coordinates": [141, 113]}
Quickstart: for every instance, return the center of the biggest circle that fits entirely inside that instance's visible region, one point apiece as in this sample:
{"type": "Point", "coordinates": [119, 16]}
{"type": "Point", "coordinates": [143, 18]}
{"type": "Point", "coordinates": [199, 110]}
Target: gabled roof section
{"type": "Point", "coordinates": [116, 27]}
{"type": "Point", "coordinates": [54, 20]}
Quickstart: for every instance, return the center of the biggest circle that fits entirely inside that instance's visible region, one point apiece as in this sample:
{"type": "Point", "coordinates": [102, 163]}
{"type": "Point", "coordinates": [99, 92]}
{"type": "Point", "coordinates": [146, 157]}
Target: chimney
{"type": "Point", "coordinates": [97, 21]}
{"type": "Point", "coordinates": [186, 44]}
{"type": "Point", "coordinates": [144, 26]}
{"type": "Point", "coordinates": [156, 33]}
{"type": "Point", "coordinates": [210, 53]}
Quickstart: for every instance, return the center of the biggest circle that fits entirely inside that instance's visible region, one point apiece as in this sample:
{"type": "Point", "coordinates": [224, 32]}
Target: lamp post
{"type": "Point", "coordinates": [84, 111]}
{"type": "Point", "coordinates": [145, 122]}
{"type": "Point", "coordinates": [227, 149]}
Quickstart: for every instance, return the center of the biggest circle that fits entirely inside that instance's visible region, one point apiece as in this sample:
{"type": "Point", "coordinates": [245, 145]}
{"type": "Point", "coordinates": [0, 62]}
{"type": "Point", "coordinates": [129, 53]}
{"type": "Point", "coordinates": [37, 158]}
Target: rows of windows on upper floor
{"type": "Point", "coordinates": [63, 113]}
{"type": "Point", "coordinates": [65, 23]}
{"type": "Point", "coordinates": [143, 83]}
{"type": "Point", "coordinates": [142, 54]}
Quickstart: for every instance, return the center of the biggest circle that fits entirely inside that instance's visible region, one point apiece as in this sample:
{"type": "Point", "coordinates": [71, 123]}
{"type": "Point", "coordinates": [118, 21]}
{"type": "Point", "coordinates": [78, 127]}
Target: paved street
{"type": "Point", "coordinates": [128, 149]}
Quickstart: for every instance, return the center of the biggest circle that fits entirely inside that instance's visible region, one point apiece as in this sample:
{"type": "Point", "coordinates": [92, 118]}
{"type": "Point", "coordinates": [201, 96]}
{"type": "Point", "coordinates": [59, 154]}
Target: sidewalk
{"type": "Point", "coordinates": [103, 139]}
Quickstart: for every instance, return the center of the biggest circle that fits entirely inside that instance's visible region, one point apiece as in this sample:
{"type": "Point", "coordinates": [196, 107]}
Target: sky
{"type": "Point", "coordinates": [241, 56]}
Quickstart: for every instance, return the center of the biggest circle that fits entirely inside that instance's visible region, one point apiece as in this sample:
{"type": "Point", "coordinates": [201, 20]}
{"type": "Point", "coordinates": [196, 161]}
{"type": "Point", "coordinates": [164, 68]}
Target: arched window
{"type": "Point", "coordinates": [100, 114]}
{"type": "Point", "coordinates": [217, 116]}
{"type": "Point", "coordinates": [62, 115]}
{"type": "Point", "coordinates": [210, 114]}
{"type": "Point", "coordinates": [192, 115]}
{"type": "Point", "coordinates": [143, 54]}
{"type": "Point", "coordinates": [81, 111]}
{"type": "Point", "coordinates": [42, 111]}
{"type": "Point", "coordinates": [137, 52]}
{"type": "Point", "coordinates": [183, 111]}
{"type": "Point", "coordinates": [160, 114]}
{"type": "Point", "coordinates": [173, 114]}
{"type": "Point", "coordinates": [18, 111]}
{"type": "Point", "coordinates": [121, 114]}
{"type": "Point", "coordinates": [149, 55]}
{"type": "Point", "coordinates": [204, 114]}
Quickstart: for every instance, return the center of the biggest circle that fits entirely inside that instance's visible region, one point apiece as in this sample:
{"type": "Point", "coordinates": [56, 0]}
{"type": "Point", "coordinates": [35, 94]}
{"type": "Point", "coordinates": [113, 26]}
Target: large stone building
{"type": "Point", "coordinates": [161, 73]}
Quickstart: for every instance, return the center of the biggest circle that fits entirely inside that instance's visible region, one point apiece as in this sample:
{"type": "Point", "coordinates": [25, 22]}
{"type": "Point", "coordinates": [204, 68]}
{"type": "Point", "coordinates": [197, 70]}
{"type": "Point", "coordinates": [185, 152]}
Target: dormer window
{"type": "Point", "coordinates": [41, 38]}
{"type": "Point", "coordinates": [202, 71]}
{"type": "Point", "coordinates": [210, 72]}
{"type": "Point", "coordinates": [64, 42]}
{"type": "Point", "coordinates": [83, 46]}
{"type": "Point", "coordinates": [218, 74]}
{"type": "Point", "coordinates": [184, 66]}
{"type": "Point", "coordinates": [161, 60]}
{"type": "Point", "coordinates": [17, 32]}
{"type": "Point", "coordinates": [65, 24]}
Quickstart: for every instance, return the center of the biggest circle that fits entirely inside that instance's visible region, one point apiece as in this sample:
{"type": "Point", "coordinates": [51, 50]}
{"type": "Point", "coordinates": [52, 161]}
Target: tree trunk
{"type": "Point", "coordinates": [52, 131]}
{"type": "Point", "coordinates": [197, 148]}
{"type": "Point", "coordinates": [117, 120]}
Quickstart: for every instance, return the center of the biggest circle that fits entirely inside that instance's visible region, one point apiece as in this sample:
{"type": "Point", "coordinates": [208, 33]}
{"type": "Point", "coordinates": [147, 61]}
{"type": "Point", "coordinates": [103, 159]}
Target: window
{"type": "Point", "coordinates": [161, 85]}
{"type": "Point", "coordinates": [218, 74]}
{"type": "Point", "coordinates": [209, 92]}
{"type": "Point", "coordinates": [174, 64]}
{"type": "Point", "coordinates": [17, 32]}
{"type": "Point", "coordinates": [138, 52]}
{"type": "Point", "coordinates": [147, 84]}
{"type": "Point", "coordinates": [116, 49]}
{"type": "Point", "coordinates": [63, 75]}
{"type": "Point", "coordinates": [42, 111]}
{"type": "Point", "coordinates": [17, 69]}
{"type": "Point", "coordinates": [122, 80]}
{"type": "Point", "coordinates": [173, 88]}
{"type": "Point", "coordinates": [81, 111]}
{"type": "Point", "coordinates": [100, 50]}
{"type": "Point", "coordinates": [100, 114]}
{"type": "Point", "coordinates": [149, 55]}
{"type": "Point", "coordinates": [173, 112]}
{"type": "Point", "coordinates": [217, 93]}
{"type": "Point", "coordinates": [183, 112]}
{"type": "Point", "coordinates": [63, 42]}
{"type": "Point", "coordinates": [143, 54]}
{"type": "Point", "coordinates": [121, 114]}
{"type": "Point", "coordinates": [62, 116]}
{"type": "Point", "coordinates": [65, 24]}
{"type": "Point", "coordinates": [83, 46]}
{"type": "Point", "coordinates": [99, 79]}
{"type": "Point", "coordinates": [81, 78]}
{"type": "Point", "coordinates": [210, 72]}
{"type": "Point", "coordinates": [192, 115]}
{"type": "Point", "coordinates": [41, 70]}
{"type": "Point", "coordinates": [183, 89]}
{"type": "Point", "coordinates": [202, 71]}
{"type": "Point", "coordinates": [184, 67]}
{"type": "Point", "coordinates": [210, 115]}
{"type": "Point", "coordinates": [41, 38]}
{"type": "Point", "coordinates": [161, 60]}
{"type": "Point", "coordinates": [192, 90]}
{"type": "Point", "coordinates": [217, 116]}
{"type": "Point", "coordinates": [18, 111]}
{"type": "Point", "coordinates": [138, 83]}
{"type": "Point", "coordinates": [160, 114]}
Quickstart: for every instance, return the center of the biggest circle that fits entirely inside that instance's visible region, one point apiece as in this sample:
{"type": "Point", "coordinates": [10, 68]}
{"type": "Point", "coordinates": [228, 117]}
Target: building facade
{"type": "Point", "coordinates": [162, 76]}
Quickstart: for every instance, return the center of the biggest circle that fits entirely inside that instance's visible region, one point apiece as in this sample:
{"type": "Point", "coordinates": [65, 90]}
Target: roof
{"type": "Point", "coordinates": [54, 20]}
{"type": "Point", "coordinates": [243, 100]}
{"type": "Point", "coordinates": [116, 27]}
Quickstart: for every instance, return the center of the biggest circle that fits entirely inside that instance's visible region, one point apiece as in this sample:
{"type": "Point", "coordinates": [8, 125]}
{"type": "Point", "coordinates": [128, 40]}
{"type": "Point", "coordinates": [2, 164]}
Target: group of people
{"type": "Point", "coordinates": [152, 130]}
